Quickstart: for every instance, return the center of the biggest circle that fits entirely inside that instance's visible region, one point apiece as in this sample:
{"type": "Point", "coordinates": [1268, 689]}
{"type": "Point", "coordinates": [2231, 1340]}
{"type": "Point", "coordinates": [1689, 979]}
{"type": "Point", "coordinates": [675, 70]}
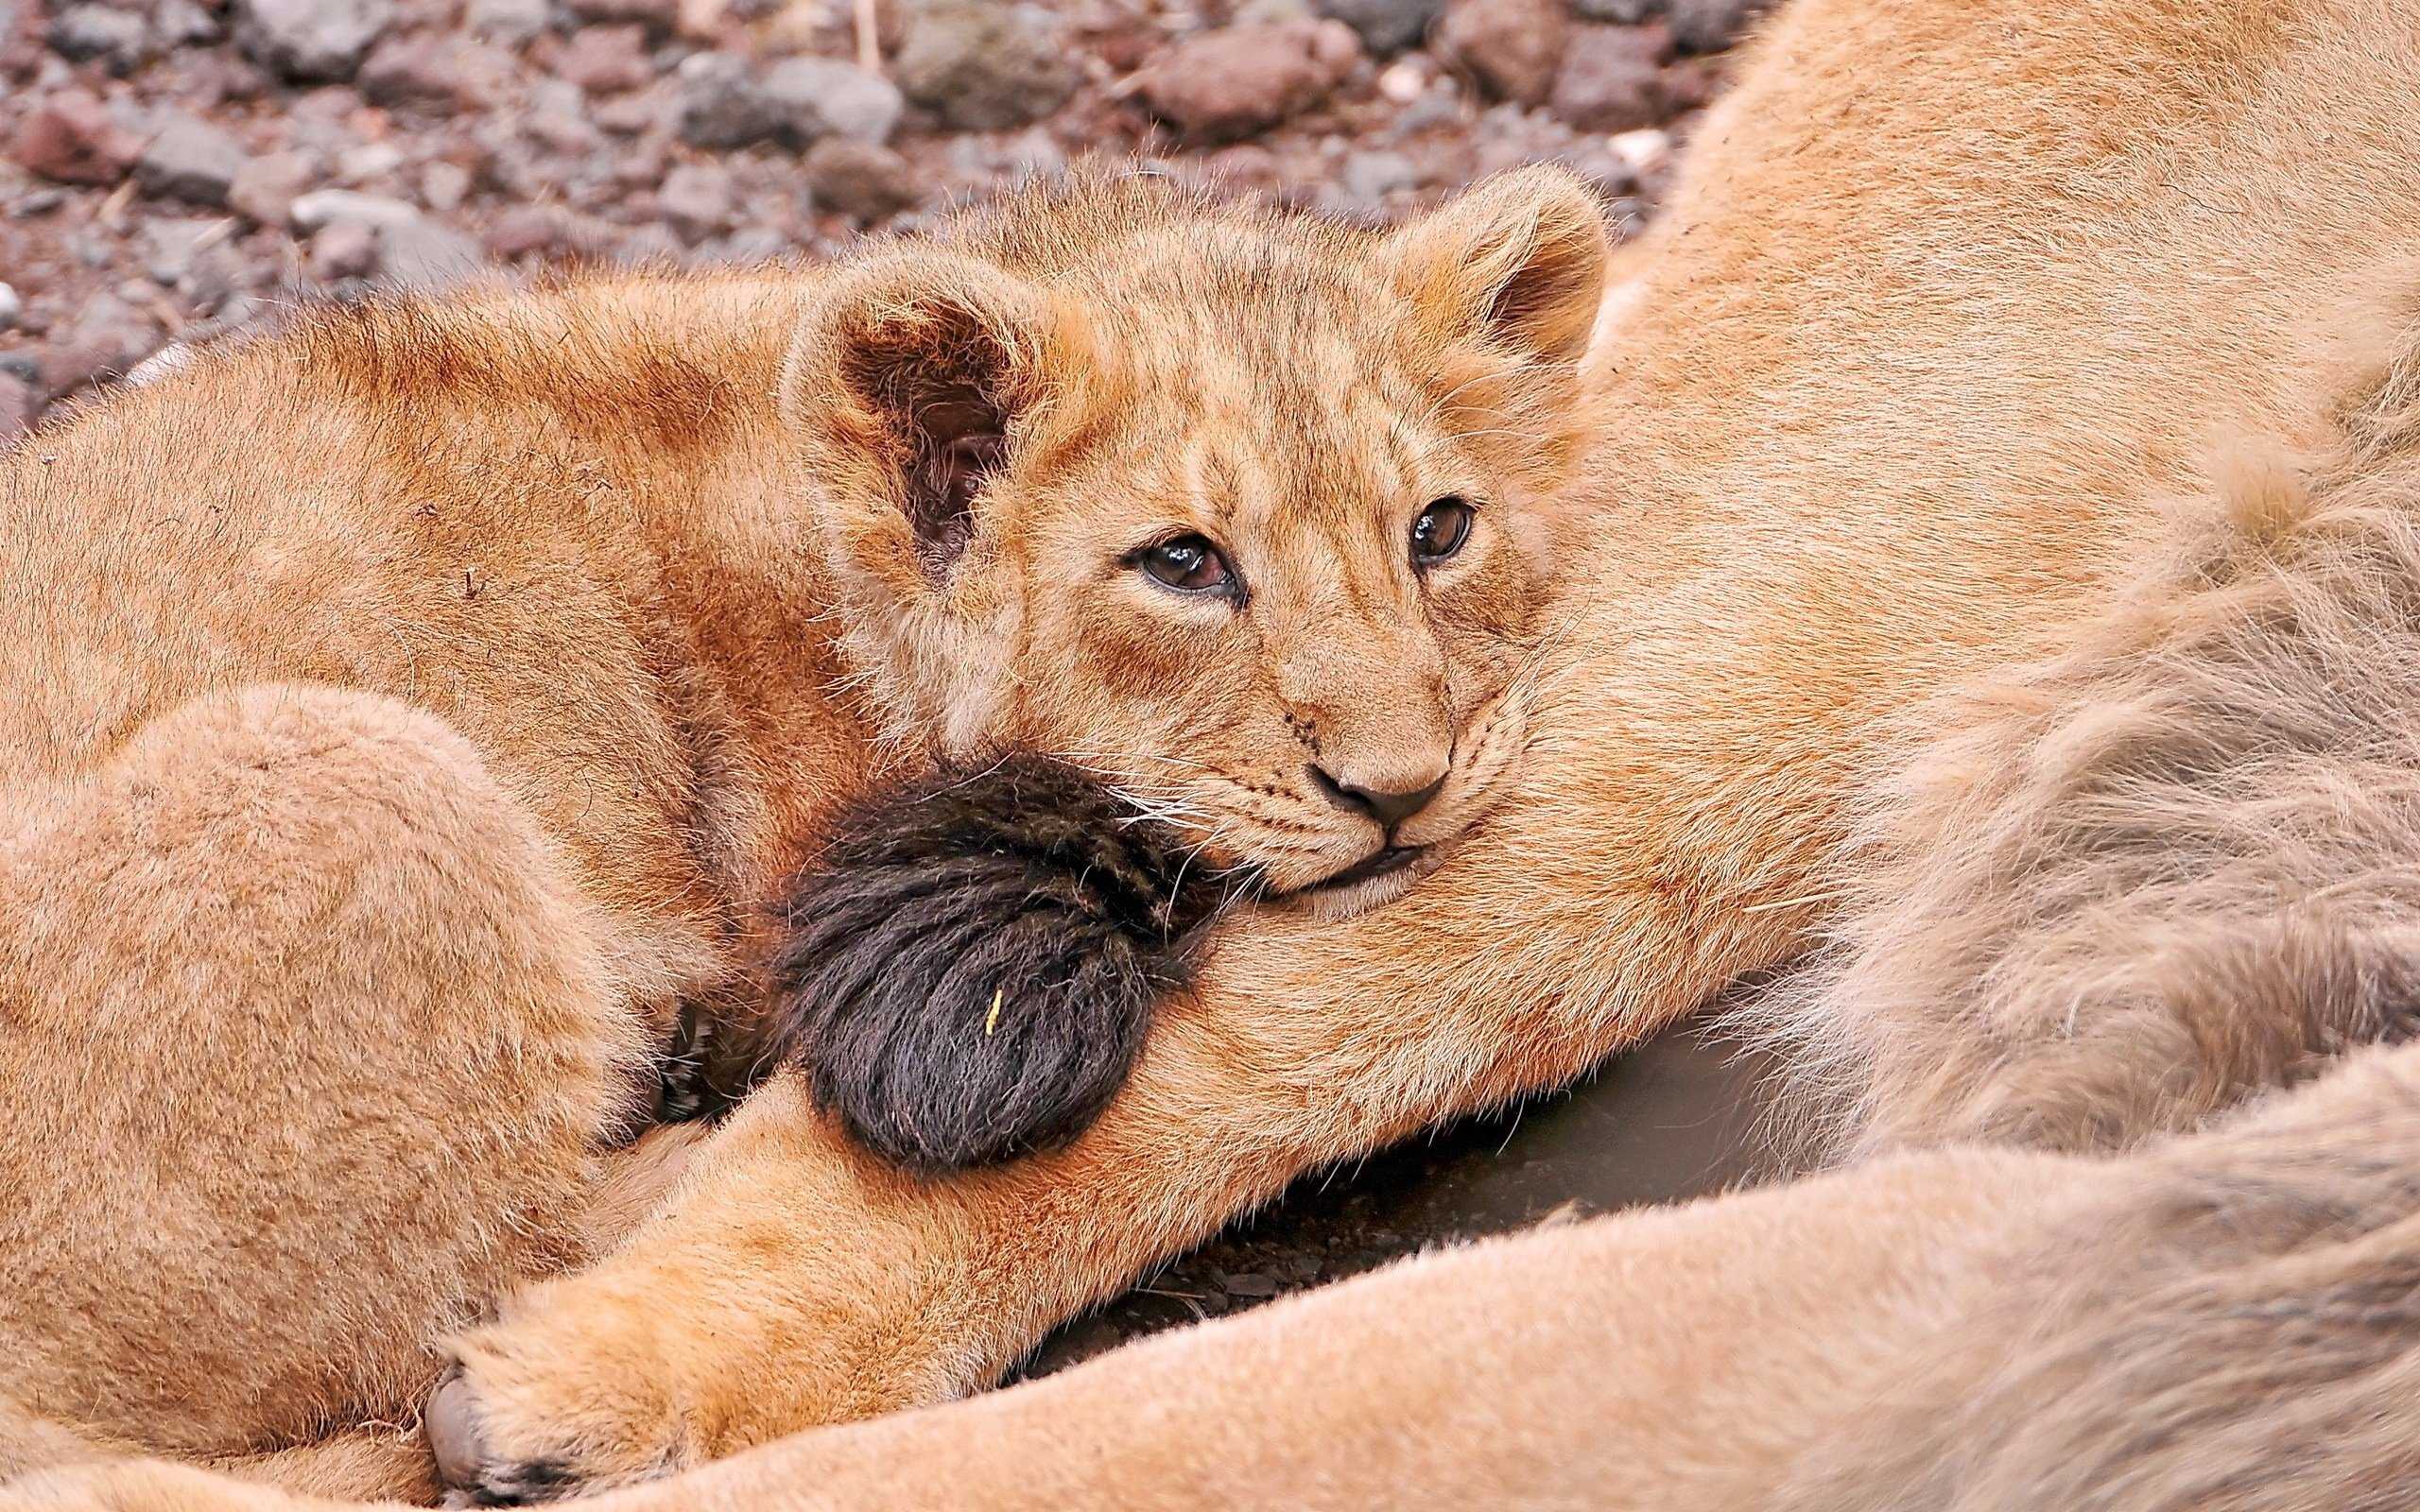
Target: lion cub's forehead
{"type": "Point", "coordinates": [1266, 377]}
{"type": "Point", "coordinates": [1236, 431]}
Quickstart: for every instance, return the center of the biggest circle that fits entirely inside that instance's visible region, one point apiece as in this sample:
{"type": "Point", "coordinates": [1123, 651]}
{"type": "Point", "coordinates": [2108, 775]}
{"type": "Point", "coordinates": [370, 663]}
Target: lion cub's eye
{"type": "Point", "coordinates": [1440, 531]}
{"type": "Point", "coordinates": [1189, 564]}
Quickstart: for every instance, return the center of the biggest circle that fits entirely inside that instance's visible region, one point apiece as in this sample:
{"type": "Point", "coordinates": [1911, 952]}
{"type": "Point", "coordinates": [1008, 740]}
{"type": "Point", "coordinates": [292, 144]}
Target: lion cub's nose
{"type": "Point", "coordinates": [1388, 806]}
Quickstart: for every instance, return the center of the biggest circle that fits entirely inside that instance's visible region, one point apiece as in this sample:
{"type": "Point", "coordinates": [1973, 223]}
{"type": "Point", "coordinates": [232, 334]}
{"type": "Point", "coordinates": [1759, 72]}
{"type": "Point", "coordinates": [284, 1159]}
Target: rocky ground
{"type": "Point", "coordinates": [176, 168]}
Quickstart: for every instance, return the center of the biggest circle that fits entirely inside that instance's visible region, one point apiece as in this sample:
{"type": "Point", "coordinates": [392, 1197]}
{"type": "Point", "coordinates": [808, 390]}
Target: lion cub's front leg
{"type": "Point", "coordinates": [735, 1315]}
{"type": "Point", "coordinates": [793, 1279]}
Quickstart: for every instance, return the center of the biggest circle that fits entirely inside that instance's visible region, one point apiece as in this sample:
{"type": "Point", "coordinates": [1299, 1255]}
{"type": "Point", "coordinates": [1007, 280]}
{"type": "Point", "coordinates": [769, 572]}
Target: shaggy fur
{"type": "Point", "coordinates": [2127, 887]}
{"type": "Point", "coordinates": [1878, 618]}
{"type": "Point", "coordinates": [2140, 886]}
{"type": "Point", "coordinates": [969, 971]}
{"type": "Point", "coordinates": [546, 634]}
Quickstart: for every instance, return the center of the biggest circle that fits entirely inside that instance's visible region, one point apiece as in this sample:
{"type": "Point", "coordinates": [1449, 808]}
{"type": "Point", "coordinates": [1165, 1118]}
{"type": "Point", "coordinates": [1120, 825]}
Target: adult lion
{"type": "Point", "coordinates": [2002, 580]}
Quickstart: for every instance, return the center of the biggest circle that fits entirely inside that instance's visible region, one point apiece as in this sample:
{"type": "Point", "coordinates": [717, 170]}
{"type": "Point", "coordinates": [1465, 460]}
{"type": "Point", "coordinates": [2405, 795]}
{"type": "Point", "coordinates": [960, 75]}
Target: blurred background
{"type": "Point", "coordinates": [172, 169]}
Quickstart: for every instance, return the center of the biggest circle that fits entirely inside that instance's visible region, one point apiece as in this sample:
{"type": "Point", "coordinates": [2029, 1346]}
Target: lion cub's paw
{"type": "Point", "coordinates": [524, 1418]}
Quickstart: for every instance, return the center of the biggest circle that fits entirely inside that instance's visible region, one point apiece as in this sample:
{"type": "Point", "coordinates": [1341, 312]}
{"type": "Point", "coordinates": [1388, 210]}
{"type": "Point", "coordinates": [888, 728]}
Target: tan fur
{"type": "Point", "coordinates": [403, 717]}
{"type": "Point", "coordinates": [1916, 625]}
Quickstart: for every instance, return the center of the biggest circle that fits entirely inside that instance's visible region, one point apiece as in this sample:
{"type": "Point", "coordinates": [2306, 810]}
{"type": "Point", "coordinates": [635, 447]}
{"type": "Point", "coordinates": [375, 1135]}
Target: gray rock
{"type": "Point", "coordinates": [984, 66]}
{"type": "Point", "coordinates": [311, 41]}
{"type": "Point", "coordinates": [1369, 177]}
{"type": "Point", "coordinates": [641, 114]}
{"type": "Point", "coordinates": [747, 246]}
{"type": "Point", "coordinates": [1619, 12]}
{"type": "Point", "coordinates": [70, 137]}
{"type": "Point", "coordinates": [649, 245]}
{"type": "Point", "coordinates": [235, 312]}
{"type": "Point", "coordinates": [171, 245]}
{"type": "Point", "coordinates": [721, 106]}
{"type": "Point", "coordinates": [822, 96]}
{"type": "Point", "coordinates": [1031, 154]}
{"type": "Point", "coordinates": [443, 186]}
{"type": "Point", "coordinates": [370, 161]}
{"type": "Point", "coordinates": [549, 230]}
{"type": "Point", "coordinates": [344, 250]}
{"type": "Point", "coordinates": [523, 231]}
{"type": "Point", "coordinates": [12, 305]}
{"type": "Point", "coordinates": [217, 270]}
{"type": "Point", "coordinates": [327, 207]}
{"type": "Point", "coordinates": [1239, 81]}
{"type": "Point", "coordinates": [860, 180]}
{"type": "Point", "coordinates": [83, 33]}
{"type": "Point", "coordinates": [695, 200]}
{"type": "Point", "coordinates": [265, 187]}
{"type": "Point", "coordinates": [1386, 26]}
{"type": "Point", "coordinates": [1612, 78]}
{"type": "Point", "coordinates": [659, 16]}
{"type": "Point", "coordinates": [607, 59]}
{"type": "Point", "coordinates": [190, 160]}
{"type": "Point", "coordinates": [1440, 104]}
{"type": "Point", "coordinates": [420, 253]}
{"type": "Point", "coordinates": [563, 130]}
{"type": "Point", "coordinates": [1245, 166]}
{"type": "Point", "coordinates": [423, 70]}
{"type": "Point", "coordinates": [183, 23]}
{"type": "Point", "coordinates": [1710, 25]}
{"type": "Point", "coordinates": [505, 21]}
{"type": "Point", "coordinates": [109, 337]}
{"type": "Point", "coordinates": [1514, 46]}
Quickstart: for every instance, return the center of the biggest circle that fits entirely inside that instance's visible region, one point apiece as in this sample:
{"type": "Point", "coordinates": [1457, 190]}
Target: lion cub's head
{"type": "Point", "coordinates": [1241, 511]}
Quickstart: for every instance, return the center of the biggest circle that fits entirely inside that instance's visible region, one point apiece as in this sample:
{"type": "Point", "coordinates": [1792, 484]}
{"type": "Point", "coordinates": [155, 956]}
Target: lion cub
{"type": "Point", "coordinates": [406, 718]}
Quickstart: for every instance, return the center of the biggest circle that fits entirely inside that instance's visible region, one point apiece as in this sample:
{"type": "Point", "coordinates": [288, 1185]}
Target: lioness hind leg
{"type": "Point", "coordinates": [2223, 1322]}
{"type": "Point", "coordinates": [309, 1052]}
{"type": "Point", "coordinates": [1679, 1358]}
{"type": "Point", "coordinates": [2229, 1321]}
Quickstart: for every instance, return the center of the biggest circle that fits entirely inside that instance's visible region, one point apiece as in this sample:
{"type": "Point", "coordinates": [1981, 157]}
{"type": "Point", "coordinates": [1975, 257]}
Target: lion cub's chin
{"type": "Point", "coordinates": [1357, 893]}
{"type": "Point", "coordinates": [1492, 764]}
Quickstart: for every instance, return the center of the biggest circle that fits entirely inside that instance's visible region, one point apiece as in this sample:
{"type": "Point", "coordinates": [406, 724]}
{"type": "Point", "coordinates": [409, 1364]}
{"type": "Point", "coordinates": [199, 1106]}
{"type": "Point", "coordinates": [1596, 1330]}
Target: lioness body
{"type": "Point", "coordinates": [1944, 328]}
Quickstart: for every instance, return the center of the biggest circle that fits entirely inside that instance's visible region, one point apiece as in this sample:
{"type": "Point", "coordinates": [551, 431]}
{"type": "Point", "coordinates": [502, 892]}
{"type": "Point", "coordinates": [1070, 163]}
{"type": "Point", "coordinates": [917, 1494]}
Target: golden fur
{"type": "Point", "coordinates": [1996, 593]}
{"type": "Point", "coordinates": [406, 716]}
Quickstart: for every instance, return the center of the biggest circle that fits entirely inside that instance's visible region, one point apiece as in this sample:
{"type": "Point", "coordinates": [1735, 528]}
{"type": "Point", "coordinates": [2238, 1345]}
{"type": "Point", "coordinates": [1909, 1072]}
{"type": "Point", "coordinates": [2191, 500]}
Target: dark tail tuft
{"type": "Point", "coordinates": [971, 968]}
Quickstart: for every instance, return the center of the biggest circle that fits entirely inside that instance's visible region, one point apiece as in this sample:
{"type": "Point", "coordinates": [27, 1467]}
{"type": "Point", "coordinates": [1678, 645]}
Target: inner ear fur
{"type": "Point", "coordinates": [908, 380]}
{"type": "Point", "coordinates": [1519, 260]}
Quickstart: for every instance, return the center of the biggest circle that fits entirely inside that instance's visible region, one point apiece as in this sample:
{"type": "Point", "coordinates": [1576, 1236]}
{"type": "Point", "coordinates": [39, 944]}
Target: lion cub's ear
{"type": "Point", "coordinates": [1519, 260]}
{"type": "Point", "coordinates": [907, 383]}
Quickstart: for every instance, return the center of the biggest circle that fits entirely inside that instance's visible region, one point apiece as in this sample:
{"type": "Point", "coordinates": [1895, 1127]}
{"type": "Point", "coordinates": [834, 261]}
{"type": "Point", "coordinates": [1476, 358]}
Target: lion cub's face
{"type": "Point", "coordinates": [1244, 514]}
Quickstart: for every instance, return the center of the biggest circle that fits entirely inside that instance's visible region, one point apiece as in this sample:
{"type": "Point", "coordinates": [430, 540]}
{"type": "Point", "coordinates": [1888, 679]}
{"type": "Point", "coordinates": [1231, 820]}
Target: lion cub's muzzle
{"type": "Point", "coordinates": [1411, 830]}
